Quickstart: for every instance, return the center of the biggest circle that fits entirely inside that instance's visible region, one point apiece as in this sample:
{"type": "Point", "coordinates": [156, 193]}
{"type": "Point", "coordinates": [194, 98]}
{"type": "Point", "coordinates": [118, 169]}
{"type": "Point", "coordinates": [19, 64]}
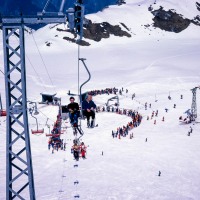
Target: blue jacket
{"type": "Point", "coordinates": [86, 105]}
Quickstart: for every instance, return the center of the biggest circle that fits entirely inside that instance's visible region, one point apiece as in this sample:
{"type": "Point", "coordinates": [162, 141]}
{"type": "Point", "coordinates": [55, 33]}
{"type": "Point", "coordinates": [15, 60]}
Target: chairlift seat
{"type": "Point", "coordinates": [2, 113]}
{"type": "Point", "coordinates": [53, 135]}
{"type": "Point", "coordinates": [37, 131]}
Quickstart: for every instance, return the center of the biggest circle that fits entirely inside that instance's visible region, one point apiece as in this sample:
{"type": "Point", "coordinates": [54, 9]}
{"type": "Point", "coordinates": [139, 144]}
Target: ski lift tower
{"type": "Point", "coordinates": [19, 171]}
{"type": "Point", "coordinates": [194, 104]}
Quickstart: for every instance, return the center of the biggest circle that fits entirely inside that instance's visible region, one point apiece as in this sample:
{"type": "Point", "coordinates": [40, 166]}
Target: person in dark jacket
{"type": "Point", "coordinates": [74, 112]}
{"type": "Point", "coordinates": [88, 107]}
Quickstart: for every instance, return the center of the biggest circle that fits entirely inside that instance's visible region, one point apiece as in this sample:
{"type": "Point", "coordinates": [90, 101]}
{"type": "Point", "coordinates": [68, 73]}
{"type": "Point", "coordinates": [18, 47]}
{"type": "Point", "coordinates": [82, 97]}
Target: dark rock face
{"type": "Point", "coordinates": [82, 42]}
{"type": "Point", "coordinates": [98, 31]}
{"type": "Point", "coordinates": [196, 20]}
{"type": "Point", "coordinates": [169, 20]}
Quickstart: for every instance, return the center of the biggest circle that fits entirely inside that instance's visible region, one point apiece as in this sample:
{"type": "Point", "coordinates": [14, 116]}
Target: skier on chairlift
{"type": "Point", "coordinates": [89, 107]}
{"type": "Point", "coordinates": [74, 112]}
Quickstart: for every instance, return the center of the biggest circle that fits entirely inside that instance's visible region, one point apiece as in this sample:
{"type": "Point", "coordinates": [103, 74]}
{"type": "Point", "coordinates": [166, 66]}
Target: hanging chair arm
{"type": "Point", "coordinates": [82, 59]}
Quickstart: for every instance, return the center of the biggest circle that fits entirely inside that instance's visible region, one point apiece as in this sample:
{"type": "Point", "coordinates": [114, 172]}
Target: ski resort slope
{"type": "Point", "coordinates": [153, 64]}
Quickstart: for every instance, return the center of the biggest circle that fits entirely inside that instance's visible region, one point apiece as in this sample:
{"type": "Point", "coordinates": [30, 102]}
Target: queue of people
{"type": "Point", "coordinates": [124, 130]}
{"type": "Point", "coordinates": [103, 91]}
{"type": "Point", "coordinates": [56, 143]}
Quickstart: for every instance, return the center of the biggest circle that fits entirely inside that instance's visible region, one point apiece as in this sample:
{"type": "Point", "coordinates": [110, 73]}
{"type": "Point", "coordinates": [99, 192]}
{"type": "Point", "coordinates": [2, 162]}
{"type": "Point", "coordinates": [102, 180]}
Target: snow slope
{"type": "Point", "coordinates": [151, 62]}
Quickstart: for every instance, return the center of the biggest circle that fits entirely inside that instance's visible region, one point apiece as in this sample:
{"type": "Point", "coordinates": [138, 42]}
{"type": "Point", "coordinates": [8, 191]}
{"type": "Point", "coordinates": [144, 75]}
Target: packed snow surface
{"type": "Point", "coordinates": [153, 64]}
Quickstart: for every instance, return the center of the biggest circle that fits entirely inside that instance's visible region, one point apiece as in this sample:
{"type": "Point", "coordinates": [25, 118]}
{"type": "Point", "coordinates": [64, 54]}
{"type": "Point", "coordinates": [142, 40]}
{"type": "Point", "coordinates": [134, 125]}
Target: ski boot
{"type": "Point", "coordinates": [92, 123]}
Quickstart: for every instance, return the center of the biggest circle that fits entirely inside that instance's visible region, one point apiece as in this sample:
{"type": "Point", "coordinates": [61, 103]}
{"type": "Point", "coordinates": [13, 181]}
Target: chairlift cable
{"type": "Point", "coordinates": [31, 65]}
{"type": "Point", "coordinates": [46, 116]}
{"type": "Point", "coordinates": [46, 5]}
{"type": "Point", "coordinates": [2, 72]}
{"type": "Point", "coordinates": [43, 61]}
{"type": "Point", "coordinates": [36, 73]}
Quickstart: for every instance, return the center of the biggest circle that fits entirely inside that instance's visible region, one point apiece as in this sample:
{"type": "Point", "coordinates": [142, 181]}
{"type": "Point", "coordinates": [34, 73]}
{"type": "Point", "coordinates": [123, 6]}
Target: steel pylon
{"type": "Point", "coordinates": [194, 104]}
{"type": "Point", "coordinates": [19, 172]}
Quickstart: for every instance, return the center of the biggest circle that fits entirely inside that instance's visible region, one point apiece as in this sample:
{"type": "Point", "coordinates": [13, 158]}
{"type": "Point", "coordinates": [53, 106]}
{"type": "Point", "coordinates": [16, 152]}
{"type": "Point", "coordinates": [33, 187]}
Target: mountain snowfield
{"type": "Point", "coordinates": [152, 64]}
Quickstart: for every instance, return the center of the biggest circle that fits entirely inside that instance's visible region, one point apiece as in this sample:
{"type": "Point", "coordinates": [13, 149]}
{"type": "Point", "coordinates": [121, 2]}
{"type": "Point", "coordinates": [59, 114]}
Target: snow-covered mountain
{"type": "Point", "coordinates": [153, 64]}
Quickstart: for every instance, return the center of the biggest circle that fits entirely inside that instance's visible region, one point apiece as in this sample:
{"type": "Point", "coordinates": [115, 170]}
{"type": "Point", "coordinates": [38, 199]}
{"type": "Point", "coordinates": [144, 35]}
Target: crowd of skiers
{"type": "Point", "coordinates": [103, 91]}
{"type": "Point", "coordinates": [55, 142]}
{"type": "Point", "coordinates": [124, 130]}
{"type": "Point", "coordinates": [57, 125]}
{"type": "Point", "coordinates": [110, 91]}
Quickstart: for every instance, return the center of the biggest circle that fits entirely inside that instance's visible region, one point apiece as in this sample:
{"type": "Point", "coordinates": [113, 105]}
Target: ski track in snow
{"type": "Point", "coordinates": [168, 57]}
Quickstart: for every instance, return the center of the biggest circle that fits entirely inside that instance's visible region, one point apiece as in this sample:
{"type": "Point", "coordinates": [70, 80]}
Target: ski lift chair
{"type": "Point", "coordinates": [37, 131]}
{"type": "Point", "coordinates": [2, 113]}
{"type": "Point", "coordinates": [64, 112]}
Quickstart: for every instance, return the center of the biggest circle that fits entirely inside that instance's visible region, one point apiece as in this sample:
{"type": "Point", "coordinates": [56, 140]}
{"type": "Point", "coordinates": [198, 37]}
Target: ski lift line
{"type": "Point", "coordinates": [46, 115]}
{"type": "Point", "coordinates": [43, 62]}
{"type": "Point", "coordinates": [36, 73]}
{"type": "Point", "coordinates": [2, 72]}
{"type": "Point", "coordinates": [62, 6]}
{"type": "Point", "coordinates": [46, 5]}
{"type": "Point", "coordinates": [34, 68]}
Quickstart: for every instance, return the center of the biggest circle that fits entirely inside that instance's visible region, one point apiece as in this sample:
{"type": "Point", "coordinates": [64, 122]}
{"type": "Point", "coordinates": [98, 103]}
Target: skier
{"type": "Point", "coordinates": [113, 134]}
{"type": "Point", "coordinates": [145, 106]}
{"type": "Point", "coordinates": [75, 150]}
{"type": "Point", "coordinates": [88, 107]}
{"type": "Point", "coordinates": [83, 150]}
{"type": "Point", "coordinates": [74, 112]}
{"type": "Point", "coordinates": [49, 143]}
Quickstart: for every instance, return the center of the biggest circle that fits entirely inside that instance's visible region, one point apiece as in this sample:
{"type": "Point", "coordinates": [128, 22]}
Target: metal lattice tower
{"type": "Point", "coordinates": [18, 158]}
{"type": "Point", "coordinates": [194, 104]}
{"type": "Point", "coordinates": [19, 171]}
